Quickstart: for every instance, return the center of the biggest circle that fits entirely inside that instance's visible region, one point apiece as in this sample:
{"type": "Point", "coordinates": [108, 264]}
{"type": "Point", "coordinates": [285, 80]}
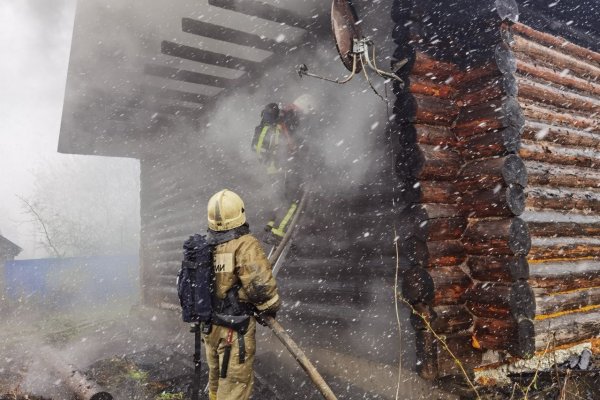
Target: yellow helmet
{"type": "Point", "coordinates": [225, 211]}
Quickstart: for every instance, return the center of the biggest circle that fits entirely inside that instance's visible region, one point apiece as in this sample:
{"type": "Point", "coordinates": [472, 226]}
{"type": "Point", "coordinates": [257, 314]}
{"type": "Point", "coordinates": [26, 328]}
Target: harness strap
{"type": "Point", "coordinates": [242, 348]}
{"type": "Point", "coordinates": [226, 354]}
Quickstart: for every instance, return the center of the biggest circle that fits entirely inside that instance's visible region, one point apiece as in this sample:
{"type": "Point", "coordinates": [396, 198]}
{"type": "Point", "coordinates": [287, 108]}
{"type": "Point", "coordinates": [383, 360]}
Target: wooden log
{"type": "Point", "coordinates": [432, 253]}
{"type": "Point", "coordinates": [417, 221]}
{"type": "Point", "coordinates": [496, 114]}
{"type": "Point", "coordinates": [516, 336]}
{"type": "Point", "coordinates": [434, 111]}
{"type": "Point", "coordinates": [554, 154]}
{"type": "Point", "coordinates": [266, 11]}
{"type": "Point", "coordinates": [564, 229]}
{"type": "Point", "coordinates": [548, 304]}
{"type": "Point", "coordinates": [231, 35]}
{"type": "Point", "coordinates": [500, 86]}
{"type": "Point", "coordinates": [561, 99]}
{"type": "Point", "coordinates": [471, 75]}
{"type": "Point", "coordinates": [442, 319]}
{"type": "Point", "coordinates": [538, 112]}
{"type": "Point", "coordinates": [555, 57]}
{"type": "Point", "coordinates": [558, 217]}
{"type": "Point", "coordinates": [501, 201]}
{"type": "Point", "coordinates": [426, 349]}
{"type": "Point", "coordinates": [569, 328]}
{"type": "Point", "coordinates": [529, 67]}
{"type": "Point", "coordinates": [490, 144]}
{"type": "Point", "coordinates": [425, 162]}
{"type": "Point", "coordinates": [167, 72]}
{"type": "Point", "coordinates": [564, 248]}
{"type": "Point", "coordinates": [435, 361]}
{"type": "Point", "coordinates": [435, 286]}
{"type": "Point", "coordinates": [556, 42]}
{"type": "Point", "coordinates": [539, 131]}
{"type": "Point", "coordinates": [435, 135]}
{"type": "Point", "coordinates": [498, 269]}
{"type": "Point", "coordinates": [490, 172]}
{"type": "Point", "coordinates": [541, 173]}
{"type": "Point", "coordinates": [504, 64]}
{"type": "Point", "coordinates": [508, 236]}
{"type": "Point", "coordinates": [543, 197]}
{"type": "Point", "coordinates": [499, 300]}
{"type": "Point", "coordinates": [430, 192]}
{"type": "Point", "coordinates": [432, 69]}
{"type": "Point", "coordinates": [427, 87]}
{"type": "Point", "coordinates": [431, 211]}
{"type": "Point", "coordinates": [170, 94]}
{"type": "Point", "coordinates": [77, 382]}
{"type": "Point", "coordinates": [560, 276]}
{"type": "Point", "coordinates": [206, 57]}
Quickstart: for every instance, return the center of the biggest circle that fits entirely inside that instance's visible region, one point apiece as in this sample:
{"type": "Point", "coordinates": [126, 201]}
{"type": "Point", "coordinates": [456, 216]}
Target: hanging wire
{"type": "Point", "coordinates": [303, 70]}
{"type": "Point", "coordinates": [369, 80]}
{"type": "Point", "coordinates": [380, 72]}
{"type": "Point", "coordinates": [361, 53]}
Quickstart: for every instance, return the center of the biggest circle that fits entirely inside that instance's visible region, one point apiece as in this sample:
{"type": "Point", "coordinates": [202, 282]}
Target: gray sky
{"type": "Point", "coordinates": [35, 38]}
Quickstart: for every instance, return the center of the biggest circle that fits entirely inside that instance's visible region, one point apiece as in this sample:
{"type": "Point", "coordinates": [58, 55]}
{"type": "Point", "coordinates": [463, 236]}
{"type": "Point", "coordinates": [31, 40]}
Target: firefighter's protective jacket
{"type": "Point", "coordinates": [243, 260]}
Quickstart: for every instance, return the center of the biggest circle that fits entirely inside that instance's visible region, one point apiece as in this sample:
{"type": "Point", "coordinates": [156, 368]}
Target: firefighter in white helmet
{"type": "Point", "coordinates": [244, 290]}
{"type": "Point", "coordinates": [282, 149]}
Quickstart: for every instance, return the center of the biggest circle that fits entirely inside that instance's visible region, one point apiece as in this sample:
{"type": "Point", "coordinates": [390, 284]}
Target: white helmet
{"type": "Point", "coordinates": [306, 104]}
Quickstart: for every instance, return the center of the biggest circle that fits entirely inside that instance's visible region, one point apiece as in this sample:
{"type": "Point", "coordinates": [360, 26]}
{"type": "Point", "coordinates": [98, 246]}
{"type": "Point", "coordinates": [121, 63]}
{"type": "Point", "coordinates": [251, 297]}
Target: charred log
{"type": "Point", "coordinates": [498, 269]}
{"type": "Point", "coordinates": [435, 286]}
{"type": "Point", "coordinates": [517, 336]}
{"type": "Point", "coordinates": [542, 197]}
{"type": "Point", "coordinates": [490, 144]}
{"type": "Point", "coordinates": [432, 253]}
{"type": "Point", "coordinates": [501, 201]}
{"type": "Point", "coordinates": [498, 300]}
{"type": "Point", "coordinates": [422, 222]}
{"type": "Point", "coordinates": [563, 248]}
{"type": "Point", "coordinates": [552, 277]}
{"type": "Point", "coordinates": [426, 162]}
{"type": "Point", "coordinates": [490, 172]}
{"type": "Point", "coordinates": [441, 319]}
{"type": "Point", "coordinates": [567, 328]}
{"type": "Point", "coordinates": [435, 361]}
{"type": "Point", "coordinates": [496, 114]}
{"type": "Point", "coordinates": [497, 237]}
{"type": "Point", "coordinates": [547, 305]}
{"type": "Point", "coordinates": [546, 174]}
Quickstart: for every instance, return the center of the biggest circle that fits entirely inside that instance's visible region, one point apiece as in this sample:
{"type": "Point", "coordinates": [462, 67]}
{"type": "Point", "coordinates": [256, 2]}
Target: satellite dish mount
{"type": "Point", "coordinates": [356, 51]}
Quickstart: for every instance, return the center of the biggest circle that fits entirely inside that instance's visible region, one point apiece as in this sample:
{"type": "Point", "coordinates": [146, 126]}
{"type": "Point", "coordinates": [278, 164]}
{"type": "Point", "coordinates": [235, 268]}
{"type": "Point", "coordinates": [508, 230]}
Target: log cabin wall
{"type": "Point", "coordinates": [496, 154]}
{"type": "Point", "coordinates": [559, 95]}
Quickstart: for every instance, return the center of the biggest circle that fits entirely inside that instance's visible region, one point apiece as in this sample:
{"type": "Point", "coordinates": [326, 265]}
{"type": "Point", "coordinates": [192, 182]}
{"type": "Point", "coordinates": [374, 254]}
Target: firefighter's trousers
{"type": "Point", "coordinates": [238, 383]}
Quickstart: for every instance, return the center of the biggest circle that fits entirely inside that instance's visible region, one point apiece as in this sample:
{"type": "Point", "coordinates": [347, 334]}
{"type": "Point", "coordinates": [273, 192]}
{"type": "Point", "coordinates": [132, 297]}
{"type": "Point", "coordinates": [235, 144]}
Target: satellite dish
{"type": "Point", "coordinates": [356, 52]}
{"type": "Point", "coordinates": [345, 32]}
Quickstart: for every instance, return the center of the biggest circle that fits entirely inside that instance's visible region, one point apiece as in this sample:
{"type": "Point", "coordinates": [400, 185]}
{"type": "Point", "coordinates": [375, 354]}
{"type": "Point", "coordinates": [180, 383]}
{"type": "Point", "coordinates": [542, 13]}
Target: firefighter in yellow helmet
{"type": "Point", "coordinates": [245, 289]}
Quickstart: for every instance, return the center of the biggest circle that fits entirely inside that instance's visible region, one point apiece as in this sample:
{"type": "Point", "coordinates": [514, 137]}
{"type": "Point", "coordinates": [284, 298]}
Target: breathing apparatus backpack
{"type": "Point", "coordinates": [195, 283]}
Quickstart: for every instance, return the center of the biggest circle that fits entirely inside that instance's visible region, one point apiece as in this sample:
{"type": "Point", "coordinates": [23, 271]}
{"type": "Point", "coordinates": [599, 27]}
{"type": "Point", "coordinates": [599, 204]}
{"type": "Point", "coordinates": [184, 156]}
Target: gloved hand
{"type": "Point", "coordinates": [260, 316]}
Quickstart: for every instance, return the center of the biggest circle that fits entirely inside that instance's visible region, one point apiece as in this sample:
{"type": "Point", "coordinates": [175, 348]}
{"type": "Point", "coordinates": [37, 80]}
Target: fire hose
{"type": "Point", "coordinates": [280, 332]}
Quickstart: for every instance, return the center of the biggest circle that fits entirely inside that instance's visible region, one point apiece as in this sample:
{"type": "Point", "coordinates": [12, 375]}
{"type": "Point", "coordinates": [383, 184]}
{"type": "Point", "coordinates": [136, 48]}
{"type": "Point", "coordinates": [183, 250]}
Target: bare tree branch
{"type": "Point", "coordinates": [40, 220]}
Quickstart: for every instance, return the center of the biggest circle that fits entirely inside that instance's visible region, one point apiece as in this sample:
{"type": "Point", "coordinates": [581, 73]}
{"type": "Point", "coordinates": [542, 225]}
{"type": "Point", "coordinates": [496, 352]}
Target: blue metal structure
{"type": "Point", "coordinates": [73, 282]}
